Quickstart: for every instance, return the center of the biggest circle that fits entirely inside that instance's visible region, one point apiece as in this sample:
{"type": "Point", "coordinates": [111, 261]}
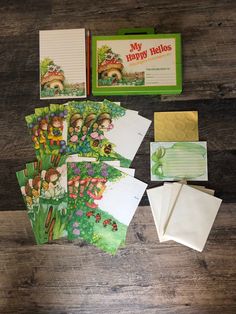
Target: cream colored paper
{"type": "Point", "coordinates": [174, 193]}
{"type": "Point", "coordinates": [174, 161]}
{"type": "Point", "coordinates": [166, 199]}
{"type": "Point", "coordinates": [192, 217]}
{"type": "Point", "coordinates": [161, 213]}
{"type": "Point", "coordinates": [66, 50]}
{"type": "Point", "coordinates": [178, 126]}
{"type": "Point", "coordinates": [155, 200]}
{"type": "Point", "coordinates": [203, 189]}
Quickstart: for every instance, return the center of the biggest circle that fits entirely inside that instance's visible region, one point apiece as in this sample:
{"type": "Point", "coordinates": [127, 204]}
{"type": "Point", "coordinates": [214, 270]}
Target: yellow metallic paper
{"type": "Point", "coordinates": [176, 126]}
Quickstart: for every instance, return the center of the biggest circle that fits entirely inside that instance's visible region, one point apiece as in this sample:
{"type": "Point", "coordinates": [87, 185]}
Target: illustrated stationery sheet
{"type": "Point", "coordinates": [62, 63]}
{"type": "Point", "coordinates": [116, 134]}
{"type": "Point", "coordinates": [44, 189]}
{"type": "Point", "coordinates": [81, 116]}
{"type": "Point", "coordinates": [176, 126]}
{"type": "Point", "coordinates": [178, 160]}
{"type": "Point", "coordinates": [49, 221]}
{"type": "Point", "coordinates": [53, 194]}
{"type": "Point", "coordinates": [30, 190]}
{"type": "Point", "coordinates": [30, 184]}
{"type": "Point", "coordinates": [102, 201]}
{"type": "Point", "coordinates": [136, 64]}
{"type": "Point", "coordinates": [48, 130]}
{"type": "Point", "coordinates": [101, 130]}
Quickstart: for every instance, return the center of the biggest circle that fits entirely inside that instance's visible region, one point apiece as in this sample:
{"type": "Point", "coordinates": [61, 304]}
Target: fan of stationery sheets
{"type": "Point", "coordinates": [183, 213]}
{"type": "Point", "coordinates": [81, 185]}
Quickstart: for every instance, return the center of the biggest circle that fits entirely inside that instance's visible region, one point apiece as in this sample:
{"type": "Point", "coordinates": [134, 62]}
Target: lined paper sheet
{"type": "Point", "coordinates": [66, 49]}
{"type": "Point", "coordinates": [178, 160]}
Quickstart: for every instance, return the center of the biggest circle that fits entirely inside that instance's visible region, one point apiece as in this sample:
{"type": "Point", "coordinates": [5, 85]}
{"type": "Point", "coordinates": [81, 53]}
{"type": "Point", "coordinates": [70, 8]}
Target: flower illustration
{"type": "Point", "coordinates": [79, 213]}
{"type": "Point", "coordinates": [76, 231]}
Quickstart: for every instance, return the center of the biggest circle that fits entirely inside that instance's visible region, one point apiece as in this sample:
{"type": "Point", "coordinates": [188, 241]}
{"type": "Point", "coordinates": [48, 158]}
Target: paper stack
{"type": "Point", "coordinates": [183, 213]}
{"type": "Point", "coordinates": [177, 153]}
{"type": "Point", "coordinates": [64, 57]}
{"type": "Point", "coordinates": [81, 186]}
{"type": "Point", "coordinates": [103, 130]}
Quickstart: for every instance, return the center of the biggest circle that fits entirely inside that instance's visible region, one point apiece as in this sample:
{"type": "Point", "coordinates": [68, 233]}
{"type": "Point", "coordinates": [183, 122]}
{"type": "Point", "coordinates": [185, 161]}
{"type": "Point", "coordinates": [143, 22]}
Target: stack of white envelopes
{"type": "Point", "coordinates": [183, 213]}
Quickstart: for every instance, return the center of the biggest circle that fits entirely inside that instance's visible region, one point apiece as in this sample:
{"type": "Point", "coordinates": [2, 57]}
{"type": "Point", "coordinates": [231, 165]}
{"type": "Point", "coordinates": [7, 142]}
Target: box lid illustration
{"type": "Point", "coordinates": [136, 64]}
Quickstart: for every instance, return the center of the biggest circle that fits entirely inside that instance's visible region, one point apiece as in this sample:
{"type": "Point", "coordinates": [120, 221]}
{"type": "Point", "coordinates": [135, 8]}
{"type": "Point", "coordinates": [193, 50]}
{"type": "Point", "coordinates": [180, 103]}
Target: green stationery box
{"type": "Point", "coordinates": [137, 64]}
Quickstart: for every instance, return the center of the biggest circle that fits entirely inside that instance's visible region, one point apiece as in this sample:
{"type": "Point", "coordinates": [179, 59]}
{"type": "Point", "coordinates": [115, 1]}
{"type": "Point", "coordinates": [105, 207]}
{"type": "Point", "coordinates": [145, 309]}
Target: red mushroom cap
{"type": "Point", "coordinates": [51, 76]}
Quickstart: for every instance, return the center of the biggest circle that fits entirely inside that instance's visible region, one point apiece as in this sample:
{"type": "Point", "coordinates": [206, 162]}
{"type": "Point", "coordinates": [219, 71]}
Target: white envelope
{"type": "Point", "coordinates": [192, 217]}
{"type": "Point", "coordinates": [155, 199]}
{"type": "Point", "coordinates": [166, 198]}
{"type": "Point", "coordinates": [162, 200]}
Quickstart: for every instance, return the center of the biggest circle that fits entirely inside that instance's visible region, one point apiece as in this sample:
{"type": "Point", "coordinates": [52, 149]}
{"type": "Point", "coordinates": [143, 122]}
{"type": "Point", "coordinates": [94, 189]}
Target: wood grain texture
{"type": "Point", "coordinates": [144, 277]}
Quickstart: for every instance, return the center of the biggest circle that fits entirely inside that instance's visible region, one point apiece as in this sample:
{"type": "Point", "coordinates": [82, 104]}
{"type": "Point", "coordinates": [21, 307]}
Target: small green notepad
{"type": "Point", "coordinates": [136, 64]}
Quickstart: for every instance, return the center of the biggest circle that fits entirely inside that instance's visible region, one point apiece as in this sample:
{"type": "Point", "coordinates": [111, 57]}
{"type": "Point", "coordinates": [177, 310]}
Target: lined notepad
{"type": "Point", "coordinates": [178, 160]}
{"type": "Point", "coordinates": [62, 63]}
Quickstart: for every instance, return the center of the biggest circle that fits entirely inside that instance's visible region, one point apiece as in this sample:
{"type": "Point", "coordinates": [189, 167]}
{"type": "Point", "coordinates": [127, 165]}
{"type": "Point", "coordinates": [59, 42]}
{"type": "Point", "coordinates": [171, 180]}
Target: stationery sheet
{"type": "Point", "coordinates": [178, 160]}
{"type": "Point", "coordinates": [105, 131]}
{"type": "Point", "coordinates": [62, 63]}
{"type": "Point", "coordinates": [102, 200]}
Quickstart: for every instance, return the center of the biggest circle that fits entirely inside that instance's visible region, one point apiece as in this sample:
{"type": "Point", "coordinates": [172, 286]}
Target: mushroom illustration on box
{"type": "Point", "coordinates": [136, 61]}
{"type": "Point", "coordinates": [110, 65]}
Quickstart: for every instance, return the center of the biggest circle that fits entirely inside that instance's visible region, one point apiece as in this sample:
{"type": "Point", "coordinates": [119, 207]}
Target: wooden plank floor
{"type": "Point", "coordinates": [146, 276]}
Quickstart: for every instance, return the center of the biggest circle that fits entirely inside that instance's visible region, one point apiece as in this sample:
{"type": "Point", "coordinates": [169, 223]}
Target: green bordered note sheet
{"type": "Point", "coordinates": [136, 64]}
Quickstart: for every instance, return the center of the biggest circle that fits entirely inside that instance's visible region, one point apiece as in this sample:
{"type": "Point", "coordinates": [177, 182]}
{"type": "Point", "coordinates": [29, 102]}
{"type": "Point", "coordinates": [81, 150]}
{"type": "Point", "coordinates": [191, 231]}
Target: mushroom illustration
{"type": "Point", "coordinates": [110, 65]}
{"type": "Point", "coordinates": [53, 80]}
{"type": "Point", "coordinates": [113, 70]}
{"type": "Point", "coordinates": [52, 75]}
